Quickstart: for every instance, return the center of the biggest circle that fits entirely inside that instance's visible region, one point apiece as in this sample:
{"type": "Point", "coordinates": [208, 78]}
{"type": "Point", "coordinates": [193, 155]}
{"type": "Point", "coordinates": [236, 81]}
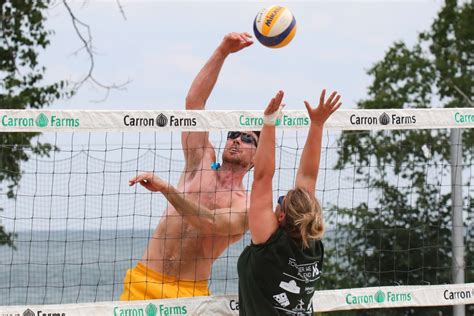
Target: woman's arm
{"type": "Point", "coordinates": [309, 165]}
{"type": "Point", "coordinates": [262, 220]}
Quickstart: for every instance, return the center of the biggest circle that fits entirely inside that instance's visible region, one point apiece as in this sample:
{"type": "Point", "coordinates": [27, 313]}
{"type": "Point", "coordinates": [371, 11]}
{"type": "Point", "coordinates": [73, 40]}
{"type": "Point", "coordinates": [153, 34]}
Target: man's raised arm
{"type": "Point", "coordinates": [196, 144]}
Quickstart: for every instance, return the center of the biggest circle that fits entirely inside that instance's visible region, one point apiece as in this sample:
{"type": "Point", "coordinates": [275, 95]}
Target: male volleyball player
{"type": "Point", "coordinates": [208, 208]}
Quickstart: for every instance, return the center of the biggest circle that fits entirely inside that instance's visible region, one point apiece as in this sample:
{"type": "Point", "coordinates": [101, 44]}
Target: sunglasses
{"type": "Point", "coordinates": [280, 200]}
{"type": "Point", "coordinates": [246, 138]}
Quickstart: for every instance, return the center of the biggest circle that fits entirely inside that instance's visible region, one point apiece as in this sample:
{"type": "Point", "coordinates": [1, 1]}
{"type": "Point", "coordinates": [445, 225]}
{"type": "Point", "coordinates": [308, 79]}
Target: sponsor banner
{"type": "Point", "coordinates": [205, 305]}
{"type": "Point", "coordinates": [140, 121]}
{"type": "Point", "coordinates": [394, 296]}
{"type": "Point", "coordinates": [323, 301]}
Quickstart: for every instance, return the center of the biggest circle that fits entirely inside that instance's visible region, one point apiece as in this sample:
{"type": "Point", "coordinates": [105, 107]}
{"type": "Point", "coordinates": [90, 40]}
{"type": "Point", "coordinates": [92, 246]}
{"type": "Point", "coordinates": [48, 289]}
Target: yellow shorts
{"type": "Point", "coordinates": [142, 283]}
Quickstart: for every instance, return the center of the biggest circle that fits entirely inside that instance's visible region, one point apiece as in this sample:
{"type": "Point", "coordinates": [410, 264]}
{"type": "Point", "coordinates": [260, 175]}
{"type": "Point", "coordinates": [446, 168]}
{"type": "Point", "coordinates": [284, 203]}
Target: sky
{"type": "Point", "coordinates": [161, 46]}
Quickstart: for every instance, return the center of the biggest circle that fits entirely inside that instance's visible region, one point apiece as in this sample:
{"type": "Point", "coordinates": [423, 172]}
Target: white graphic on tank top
{"type": "Point", "coordinates": [282, 299]}
{"type": "Point", "coordinates": [309, 289]}
{"type": "Point", "coordinates": [290, 286]}
{"type": "Point", "coordinates": [300, 309]}
{"type": "Point", "coordinates": [300, 305]}
{"type": "Point", "coordinates": [307, 272]}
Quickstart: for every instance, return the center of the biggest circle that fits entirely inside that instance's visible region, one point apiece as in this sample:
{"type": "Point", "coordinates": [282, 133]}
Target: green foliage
{"type": "Point", "coordinates": [402, 234]}
{"type": "Point", "coordinates": [22, 37]}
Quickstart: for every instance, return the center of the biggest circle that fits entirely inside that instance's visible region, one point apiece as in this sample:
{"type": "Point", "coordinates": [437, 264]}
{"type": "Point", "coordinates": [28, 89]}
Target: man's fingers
{"type": "Point", "coordinates": [247, 37]}
{"type": "Point", "coordinates": [140, 178]}
{"type": "Point", "coordinates": [134, 180]}
{"type": "Point", "coordinates": [243, 39]}
{"type": "Point", "coordinates": [246, 41]}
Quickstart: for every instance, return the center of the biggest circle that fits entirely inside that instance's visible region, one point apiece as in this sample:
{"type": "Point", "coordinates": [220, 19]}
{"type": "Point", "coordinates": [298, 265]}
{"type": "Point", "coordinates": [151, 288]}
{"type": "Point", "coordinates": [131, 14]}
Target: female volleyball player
{"type": "Point", "coordinates": [278, 271]}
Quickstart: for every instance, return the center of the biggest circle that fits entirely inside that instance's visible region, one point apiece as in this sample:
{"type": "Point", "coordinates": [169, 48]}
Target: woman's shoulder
{"type": "Point", "coordinates": [274, 238]}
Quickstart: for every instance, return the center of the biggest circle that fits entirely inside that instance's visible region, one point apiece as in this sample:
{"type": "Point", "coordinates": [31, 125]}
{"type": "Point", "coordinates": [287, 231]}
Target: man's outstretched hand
{"type": "Point", "coordinates": [234, 42]}
{"type": "Point", "coordinates": [150, 181]}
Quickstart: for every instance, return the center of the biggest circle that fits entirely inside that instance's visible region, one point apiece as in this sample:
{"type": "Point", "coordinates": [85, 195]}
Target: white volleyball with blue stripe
{"type": "Point", "coordinates": [274, 26]}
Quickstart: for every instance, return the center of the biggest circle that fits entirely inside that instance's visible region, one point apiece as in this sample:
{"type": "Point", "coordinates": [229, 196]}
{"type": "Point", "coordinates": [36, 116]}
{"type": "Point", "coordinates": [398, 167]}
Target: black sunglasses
{"type": "Point", "coordinates": [246, 138]}
{"type": "Point", "coordinates": [280, 200]}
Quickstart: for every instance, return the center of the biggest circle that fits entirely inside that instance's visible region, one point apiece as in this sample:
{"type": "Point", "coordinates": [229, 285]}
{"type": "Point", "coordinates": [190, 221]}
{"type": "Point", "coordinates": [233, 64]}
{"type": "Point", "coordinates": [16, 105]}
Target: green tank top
{"type": "Point", "coordinates": [278, 277]}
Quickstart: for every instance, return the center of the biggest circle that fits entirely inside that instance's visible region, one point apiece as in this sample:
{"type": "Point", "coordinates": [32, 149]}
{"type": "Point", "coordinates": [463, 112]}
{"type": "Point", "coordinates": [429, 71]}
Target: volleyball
{"type": "Point", "coordinates": [274, 26]}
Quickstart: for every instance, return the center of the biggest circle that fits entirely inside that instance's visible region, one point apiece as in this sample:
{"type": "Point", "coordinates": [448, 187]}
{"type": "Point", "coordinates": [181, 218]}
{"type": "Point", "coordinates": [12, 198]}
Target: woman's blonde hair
{"type": "Point", "coordinates": [303, 216]}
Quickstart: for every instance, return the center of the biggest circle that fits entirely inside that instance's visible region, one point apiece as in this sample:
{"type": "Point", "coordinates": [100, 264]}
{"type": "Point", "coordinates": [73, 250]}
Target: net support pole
{"type": "Point", "coordinates": [458, 262]}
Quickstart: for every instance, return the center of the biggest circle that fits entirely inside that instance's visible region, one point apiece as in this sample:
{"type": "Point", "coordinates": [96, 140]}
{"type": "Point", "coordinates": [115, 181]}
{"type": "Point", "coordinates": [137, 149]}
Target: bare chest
{"type": "Point", "coordinates": [206, 190]}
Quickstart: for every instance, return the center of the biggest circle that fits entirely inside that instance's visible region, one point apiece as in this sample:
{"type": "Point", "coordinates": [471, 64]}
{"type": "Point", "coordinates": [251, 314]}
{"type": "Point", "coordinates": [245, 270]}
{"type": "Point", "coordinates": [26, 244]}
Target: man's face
{"type": "Point", "coordinates": [240, 148]}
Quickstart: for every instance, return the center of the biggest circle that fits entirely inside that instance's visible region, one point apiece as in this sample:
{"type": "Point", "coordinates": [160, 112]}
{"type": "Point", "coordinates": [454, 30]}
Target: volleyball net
{"type": "Point", "coordinates": [71, 226]}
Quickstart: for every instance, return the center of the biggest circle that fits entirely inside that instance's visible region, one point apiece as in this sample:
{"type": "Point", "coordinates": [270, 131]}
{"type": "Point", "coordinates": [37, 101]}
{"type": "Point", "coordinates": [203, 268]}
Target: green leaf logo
{"type": "Point", "coordinates": [151, 310]}
{"type": "Point", "coordinates": [379, 296]}
{"type": "Point", "coordinates": [42, 120]}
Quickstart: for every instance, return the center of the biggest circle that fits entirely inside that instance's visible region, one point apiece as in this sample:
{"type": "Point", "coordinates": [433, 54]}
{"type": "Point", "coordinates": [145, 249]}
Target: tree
{"type": "Point", "coordinates": [402, 233]}
{"type": "Point", "coordinates": [23, 36]}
